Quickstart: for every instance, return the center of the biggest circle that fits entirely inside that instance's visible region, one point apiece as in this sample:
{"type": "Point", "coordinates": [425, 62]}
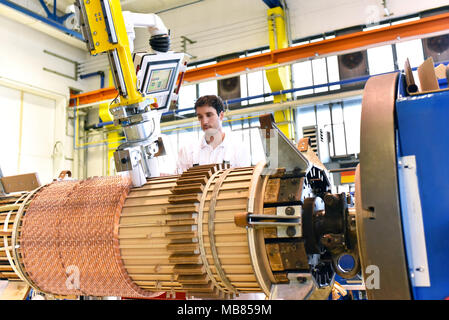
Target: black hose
{"type": "Point", "coordinates": [160, 43]}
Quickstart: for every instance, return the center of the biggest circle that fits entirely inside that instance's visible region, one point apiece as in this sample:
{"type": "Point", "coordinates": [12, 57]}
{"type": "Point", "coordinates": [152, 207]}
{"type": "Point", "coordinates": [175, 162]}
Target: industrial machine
{"type": "Point", "coordinates": [148, 83]}
{"type": "Point", "coordinates": [217, 232]}
{"type": "Point", "coordinates": [212, 232]}
{"type": "Point", "coordinates": [401, 228]}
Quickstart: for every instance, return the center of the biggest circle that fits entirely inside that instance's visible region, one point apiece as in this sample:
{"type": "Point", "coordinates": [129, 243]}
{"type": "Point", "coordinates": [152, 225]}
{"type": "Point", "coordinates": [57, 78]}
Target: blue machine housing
{"type": "Point", "coordinates": [423, 132]}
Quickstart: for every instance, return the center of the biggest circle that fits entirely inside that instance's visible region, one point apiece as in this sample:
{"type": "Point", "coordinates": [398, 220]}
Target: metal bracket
{"type": "Point", "coordinates": [279, 150]}
{"type": "Point", "coordinates": [287, 221]}
{"type": "Point", "coordinates": [123, 161]}
{"type": "Point", "coordinates": [413, 222]}
{"type": "Point", "coordinates": [300, 287]}
{"type": "Point", "coordinates": [292, 231]}
{"type": "Point", "coordinates": [75, 64]}
{"type": "Point", "coordinates": [272, 220]}
{"type": "Point", "coordinates": [184, 41]}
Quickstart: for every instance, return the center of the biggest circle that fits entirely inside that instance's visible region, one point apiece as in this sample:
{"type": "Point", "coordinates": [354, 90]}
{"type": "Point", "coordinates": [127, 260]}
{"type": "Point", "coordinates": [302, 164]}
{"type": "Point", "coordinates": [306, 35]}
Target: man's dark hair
{"type": "Point", "coordinates": [212, 101]}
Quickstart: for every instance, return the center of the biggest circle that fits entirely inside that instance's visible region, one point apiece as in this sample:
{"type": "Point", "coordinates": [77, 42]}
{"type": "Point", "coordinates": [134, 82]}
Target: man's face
{"type": "Point", "coordinates": [208, 118]}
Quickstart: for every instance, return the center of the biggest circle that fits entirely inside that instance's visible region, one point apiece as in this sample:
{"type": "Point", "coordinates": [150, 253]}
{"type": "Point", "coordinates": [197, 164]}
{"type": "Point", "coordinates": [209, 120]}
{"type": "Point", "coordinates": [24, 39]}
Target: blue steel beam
{"type": "Point", "coordinates": [53, 16]}
{"type": "Point", "coordinates": [48, 21]}
{"type": "Point", "coordinates": [92, 74]}
{"type": "Point", "coordinates": [272, 3]}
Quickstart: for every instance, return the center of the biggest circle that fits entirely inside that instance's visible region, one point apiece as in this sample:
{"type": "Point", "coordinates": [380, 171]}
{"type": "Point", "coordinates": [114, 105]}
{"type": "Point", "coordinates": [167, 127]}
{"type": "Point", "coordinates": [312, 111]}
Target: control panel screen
{"type": "Point", "coordinates": [159, 80]}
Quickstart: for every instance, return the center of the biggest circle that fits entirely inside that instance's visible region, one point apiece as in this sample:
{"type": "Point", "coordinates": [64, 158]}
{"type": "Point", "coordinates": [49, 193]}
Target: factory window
{"type": "Point", "coordinates": [302, 77]}
{"type": "Point", "coordinates": [380, 59]}
{"type": "Point", "coordinates": [254, 83]}
{"type": "Point", "coordinates": [305, 117]}
{"type": "Point", "coordinates": [338, 130]}
{"type": "Point", "coordinates": [392, 57]}
{"type": "Point", "coordinates": [315, 72]}
{"type": "Point", "coordinates": [187, 96]}
{"type": "Point", "coordinates": [333, 71]}
{"type": "Point", "coordinates": [323, 116]}
{"type": "Point", "coordinates": [207, 88]}
{"type": "Point", "coordinates": [340, 121]}
{"type": "Point", "coordinates": [352, 110]}
{"type": "Point", "coordinates": [405, 20]}
{"type": "Point", "coordinates": [267, 88]}
{"type": "Point", "coordinates": [243, 89]}
{"type": "Point", "coordinates": [255, 86]}
{"type": "Point", "coordinates": [320, 76]}
{"type": "Point", "coordinates": [413, 50]}
{"type": "Point", "coordinates": [190, 92]}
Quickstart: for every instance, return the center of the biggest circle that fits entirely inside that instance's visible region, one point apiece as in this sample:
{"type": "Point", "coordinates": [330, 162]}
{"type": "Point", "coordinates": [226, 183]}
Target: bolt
{"type": "Point", "coordinates": [289, 211]}
{"type": "Point", "coordinates": [291, 231]}
{"type": "Point", "coordinates": [420, 269]}
{"type": "Point", "coordinates": [97, 44]}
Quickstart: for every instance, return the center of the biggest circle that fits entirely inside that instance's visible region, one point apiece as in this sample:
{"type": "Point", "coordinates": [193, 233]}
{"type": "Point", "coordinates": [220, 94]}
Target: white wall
{"type": "Point", "coordinates": [22, 60]}
{"type": "Point", "coordinates": [320, 16]}
{"type": "Point", "coordinates": [218, 26]}
{"type": "Point", "coordinates": [226, 26]}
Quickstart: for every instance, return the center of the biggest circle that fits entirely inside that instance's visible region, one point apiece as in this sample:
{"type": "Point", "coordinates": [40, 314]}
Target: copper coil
{"type": "Point", "coordinates": [174, 234]}
{"type": "Point", "coordinates": [69, 239]}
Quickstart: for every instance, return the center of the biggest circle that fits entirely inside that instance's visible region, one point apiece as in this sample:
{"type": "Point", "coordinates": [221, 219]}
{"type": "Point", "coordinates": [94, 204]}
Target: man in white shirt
{"type": "Point", "coordinates": [215, 146]}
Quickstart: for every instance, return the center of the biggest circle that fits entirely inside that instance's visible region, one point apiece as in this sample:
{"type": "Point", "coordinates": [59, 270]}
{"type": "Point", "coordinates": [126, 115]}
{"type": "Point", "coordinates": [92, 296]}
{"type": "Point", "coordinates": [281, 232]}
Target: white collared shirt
{"type": "Point", "coordinates": [231, 149]}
